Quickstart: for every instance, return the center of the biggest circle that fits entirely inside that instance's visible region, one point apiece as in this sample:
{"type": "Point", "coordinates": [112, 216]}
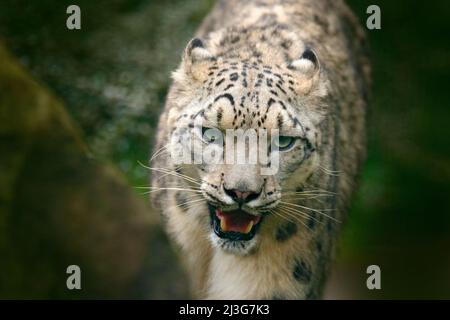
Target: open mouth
{"type": "Point", "coordinates": [235, 224]}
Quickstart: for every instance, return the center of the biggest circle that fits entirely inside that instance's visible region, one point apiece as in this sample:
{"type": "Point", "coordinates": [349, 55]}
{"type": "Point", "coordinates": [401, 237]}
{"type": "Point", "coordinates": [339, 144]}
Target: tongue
{"type": "Point", "coordinates": [236, 221]}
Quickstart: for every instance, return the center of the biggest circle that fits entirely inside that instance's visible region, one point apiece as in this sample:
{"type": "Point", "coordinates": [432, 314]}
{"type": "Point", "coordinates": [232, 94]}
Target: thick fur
{"type": "Point", "coordinates": [268, 64]}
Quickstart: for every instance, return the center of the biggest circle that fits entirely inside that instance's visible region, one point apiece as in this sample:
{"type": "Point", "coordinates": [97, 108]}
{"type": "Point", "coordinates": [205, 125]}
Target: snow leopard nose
{"type": "Point", "coordinates": [241, 196]}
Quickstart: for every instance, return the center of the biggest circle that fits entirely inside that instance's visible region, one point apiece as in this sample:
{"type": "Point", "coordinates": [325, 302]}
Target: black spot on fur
{"type": "Point", "coordinates": [234, 76]}
{"type": "Point", "coordinates": [181, 200]}
{"type": "Point", "coordinates": [226, 96]}
{"type": "Point", "coordinates": [286, 44]}
{"type": "Point", "coordinates": [228, 87]}
{"type": "Point", "coordinates": [219, 115]}
{"type": "Point", "coordinates": [280, 120]}
{"type": "Point", "coordinates": [235, 39]}
{"type": "Point", "coordinates": [286, 231]}
{"type": "Point", "coordinates": [218, 83]}
{"type": "Point", "coordinates": [302, 271]}
{"type": "Point", "coordinates": [280, 88]}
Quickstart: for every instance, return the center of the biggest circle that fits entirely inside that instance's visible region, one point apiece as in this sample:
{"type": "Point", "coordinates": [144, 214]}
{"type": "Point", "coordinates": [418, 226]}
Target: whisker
{"type": "Point", "coordinates": [169, 186]}
{"type": "Point", "coordinates": [164, 153]}
{"type": "Point", "coordinates": [308, 192]}
{"type": "Point", "coordinates": [189, 202]}
{"type": "Point", "coordinates": [324, 191]}
{"type": "Point", "coordinates": [311, 209]}
{"type": "Point", "coordinates": [156, 153]}
{"type": "Point", "coordinates": [307, 208]}
{"type": "Point", "coordinates": [330, 172]}
{"type": "Point", "coordinates": [280, 215]}
{"type": "Point", "coordinates": [175, 189]}
{"type": "Point", "coordinates": [303, 214]}
{"type": "Point", "coordinates": [177, 174]}
{"type": "Point", "coordinates": [184, 176]}
{"type": "Point", "coordinates": [293, 216]}
{"type": "Point", "coordinates": [298, 197]}
{"type": "Point", "coordinates": [171, 172]}
{"type": "Point", "coordinates": [168, 173]}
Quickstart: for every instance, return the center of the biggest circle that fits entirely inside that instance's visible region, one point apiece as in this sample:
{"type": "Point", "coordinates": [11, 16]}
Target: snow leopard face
{"type": "Point", "coordinates": [244, 131]}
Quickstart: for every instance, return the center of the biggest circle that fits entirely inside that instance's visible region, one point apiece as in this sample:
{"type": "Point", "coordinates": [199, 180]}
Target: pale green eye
{"type": "Point", "coordinates": [210, 135]}
{"type": "Point", "coordinates": [284, 143]}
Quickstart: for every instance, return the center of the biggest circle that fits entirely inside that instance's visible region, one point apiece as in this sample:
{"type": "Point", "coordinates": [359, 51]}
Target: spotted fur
{"type": "Point", "coordinates": [266, 64]}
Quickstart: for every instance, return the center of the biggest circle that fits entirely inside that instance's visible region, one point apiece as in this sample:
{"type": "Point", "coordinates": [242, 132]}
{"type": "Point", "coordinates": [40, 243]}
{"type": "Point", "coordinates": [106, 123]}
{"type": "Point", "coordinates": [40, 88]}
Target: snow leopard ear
{"type": "Point", "coordinates": [307, 68]}
{"type": "Point", "coordinates": [308, 64]}
{"type": "Point", "coordinates": [196, 52]}
{"type": "Point", "coordinates": [196, 61]}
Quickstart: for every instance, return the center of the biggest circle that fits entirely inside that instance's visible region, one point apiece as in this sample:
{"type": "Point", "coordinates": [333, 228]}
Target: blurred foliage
{"type": "Point", "coordinates": [114, 74]}
{"type": "Point", "coordinates": [58, 208]}
{"type": "Point", "coordinates": [401, 216]}
{"type": "Point", "coordinates": [407, 177]}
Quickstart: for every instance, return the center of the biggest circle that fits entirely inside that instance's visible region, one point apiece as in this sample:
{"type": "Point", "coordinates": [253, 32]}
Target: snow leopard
{"type": "Point", "coordinates": [299, 68]}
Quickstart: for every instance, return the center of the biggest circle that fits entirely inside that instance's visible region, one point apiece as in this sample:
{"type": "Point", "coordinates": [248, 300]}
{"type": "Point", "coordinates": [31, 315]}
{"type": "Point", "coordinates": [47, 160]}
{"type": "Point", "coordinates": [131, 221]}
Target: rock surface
{"type": "Point", "coordinates": [59, 207]}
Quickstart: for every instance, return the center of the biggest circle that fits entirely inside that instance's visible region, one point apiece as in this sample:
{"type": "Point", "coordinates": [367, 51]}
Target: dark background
{"type": "Point", "coordinates": [112, 77]}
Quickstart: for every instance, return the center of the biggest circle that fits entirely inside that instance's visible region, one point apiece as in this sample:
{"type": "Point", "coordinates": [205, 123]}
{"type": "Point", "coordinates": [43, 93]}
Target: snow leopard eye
{"type": "Point", "coordinates": [284, 143]}
{"type": "Point", "coordinates": [210, 135]}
